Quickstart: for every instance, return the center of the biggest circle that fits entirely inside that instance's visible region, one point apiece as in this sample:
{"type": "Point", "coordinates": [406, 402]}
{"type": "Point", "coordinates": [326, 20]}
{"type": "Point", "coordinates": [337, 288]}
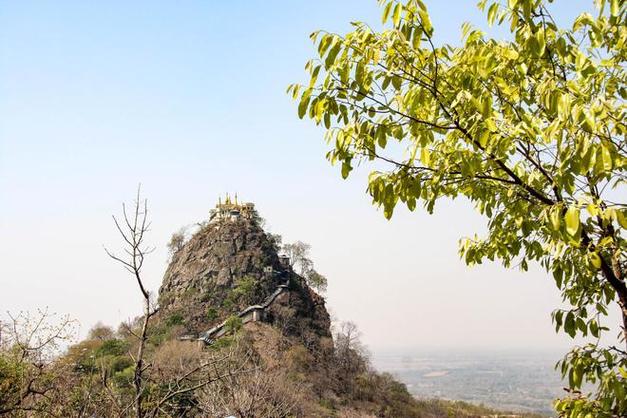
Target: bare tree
{"type": "Point", "coordinates": [100, 332]}
{"type": "Point", "coordinates": [258, 393]}
{"type": "Point", "coordinates": [196, 368]}
{"type": "Point", "coordinates": [184, 370]}
{"type": "Point", "coordinates": [177, 241]}
{"type": "Point", "coordinates": [351, 357]}
{"type": "Point", "coordinates": [30, 380]}
{"type": "Point", "coordinates": [133, 231]}
{"type": "Point", "coordinates": [298, 253]}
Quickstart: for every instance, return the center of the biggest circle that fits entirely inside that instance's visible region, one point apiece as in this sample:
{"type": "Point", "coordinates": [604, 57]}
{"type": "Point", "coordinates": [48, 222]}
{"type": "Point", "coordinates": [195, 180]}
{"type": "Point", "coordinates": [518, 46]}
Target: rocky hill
{"type": "Point", "coordinates": [229, 265]}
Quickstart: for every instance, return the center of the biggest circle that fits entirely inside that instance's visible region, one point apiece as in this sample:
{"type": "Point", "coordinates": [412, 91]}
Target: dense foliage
{"type": "Point", "coordinates": [530, 129]}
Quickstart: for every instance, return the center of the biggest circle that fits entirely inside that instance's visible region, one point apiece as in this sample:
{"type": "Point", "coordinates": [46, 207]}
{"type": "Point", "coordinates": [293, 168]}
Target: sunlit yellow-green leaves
{"type": "Point", "coordinates": [595, 259]}
{"type": "Point", "coordinates": [572, 220]}
{"type": "Point", "coordinates": [530, 130]}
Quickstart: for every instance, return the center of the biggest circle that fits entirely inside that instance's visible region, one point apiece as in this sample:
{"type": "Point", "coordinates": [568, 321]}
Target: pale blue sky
{"type": "Point", "coordinates": [189, 99]}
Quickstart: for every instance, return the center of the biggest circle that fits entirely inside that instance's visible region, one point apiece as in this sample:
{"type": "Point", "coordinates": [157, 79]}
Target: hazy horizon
{"type": "Point", "coordinates": [189, 100]}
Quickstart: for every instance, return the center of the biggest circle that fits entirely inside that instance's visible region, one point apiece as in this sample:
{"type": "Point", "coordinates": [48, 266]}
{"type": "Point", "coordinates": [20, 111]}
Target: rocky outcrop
{"type": "Point", "coordinates": [230, 265]}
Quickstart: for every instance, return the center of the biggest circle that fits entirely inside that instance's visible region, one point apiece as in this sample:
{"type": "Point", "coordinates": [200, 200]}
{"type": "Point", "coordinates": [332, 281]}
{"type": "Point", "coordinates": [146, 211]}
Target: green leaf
{"type": "Point", "coordinates": [614, 7]}
{"type": "Point", "coordinates": [386, 12]}
{"type": "Point", "coordinates": [397, 82]}
{"type": "Point", "coordinates": [492, 13]}
{"type": "Point", "coordinates": [325, 43]}
{"type": "Point", "coordinates": [319, 110]}
{"type": "Point", "coordinates": [621, 218]}
{"type": "Point", "coordinates": [557, 318]}
{"type": "Point", "coordinates": [327, 120]}
{"type": "Point", "coordinates": [575, 380]}
{"type": "Point", "coordinates": [555, 217]}
{"type": "Point", "coordinates": [572, 220]}
{"type": "Point", "coordinates": [538, 43]}
{"type": "Point", "coordinates": [346, 169]}
{"type": "Point", "coordinates": [396, 15]}
{"type": "Point", "coordinates": [314, 75]}
{"type": "Point", "coordinates": [594, 328]}
{"type": "Point", "coordinates": [558, 276]}
{"type": "Point", "coordinates": [569, 325]}
{"type": "Point", "coordinates": [486, 106]}
{"type": "Point", "coordinates": [302, 106]}
{"type": "Point", "coordinates": [489, 123]}
{"type": "Point", "coordinates": [606, 158]}
{"type": "Point", "coordinates": [595, 259]}
{"type": "Point", "coordinates": [335, 49]}
{"type": "Point", "coordinates": [484, 137]}
{"type": "Point", "coordinates": [425, 156]}
{"type": "Point", "coordinates": [425, 21]}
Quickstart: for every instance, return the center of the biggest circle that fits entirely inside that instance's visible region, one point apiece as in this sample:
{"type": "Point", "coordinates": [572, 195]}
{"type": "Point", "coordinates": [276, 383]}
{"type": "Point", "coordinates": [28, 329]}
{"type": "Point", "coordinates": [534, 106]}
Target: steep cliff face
{"type": "Point", "coordinates": [229, 265]}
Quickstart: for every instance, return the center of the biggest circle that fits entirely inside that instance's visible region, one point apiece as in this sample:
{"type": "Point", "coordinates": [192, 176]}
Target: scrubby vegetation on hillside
{"type": "Point", "coordinates": [255, 372]}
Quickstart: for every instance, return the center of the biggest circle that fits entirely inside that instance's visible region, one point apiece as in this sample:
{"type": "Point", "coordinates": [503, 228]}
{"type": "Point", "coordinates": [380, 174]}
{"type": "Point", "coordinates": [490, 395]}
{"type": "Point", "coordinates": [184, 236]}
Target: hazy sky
{"type": "Point", "coordinates": [188, 98]}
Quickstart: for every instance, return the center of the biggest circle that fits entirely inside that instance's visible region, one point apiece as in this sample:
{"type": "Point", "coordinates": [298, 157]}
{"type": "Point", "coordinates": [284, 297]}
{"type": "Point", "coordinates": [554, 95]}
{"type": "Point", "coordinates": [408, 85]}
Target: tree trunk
{"type": "Point", "coordinates": [139, 364]}
{"type": "Point", "coordinates": [614, 275]}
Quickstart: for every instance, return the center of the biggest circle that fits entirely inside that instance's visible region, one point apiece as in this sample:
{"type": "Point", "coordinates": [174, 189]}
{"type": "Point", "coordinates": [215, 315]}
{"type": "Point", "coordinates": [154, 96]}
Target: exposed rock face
{"type": "Point", "coordinates": [229, 265]}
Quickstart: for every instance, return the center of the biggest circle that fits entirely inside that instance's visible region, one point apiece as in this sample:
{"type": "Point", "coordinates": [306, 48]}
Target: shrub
{"type": "Point", "coordinates": [124, 377]}
{"type": "Point", "coordinates": [120, 363]}
{"type": "Point", "coordinates": [114, 347]}
{"type": "Point", "coordinates": [243, 293]}
{"type": "Point", "coordinates": [175, 319]}
{"type": "Point", "coordinates": [101, 332]}
{"type": "Point", "coordinates": [212, 314]}
{"type": "Point", "coordinates": [81, 356]}
{"type": "Point", "coordinates": [233, 324]}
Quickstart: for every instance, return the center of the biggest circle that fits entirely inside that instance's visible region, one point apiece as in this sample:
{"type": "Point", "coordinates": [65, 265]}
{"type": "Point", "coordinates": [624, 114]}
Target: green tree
{"type": "Point", "coordinates": [530, 129]}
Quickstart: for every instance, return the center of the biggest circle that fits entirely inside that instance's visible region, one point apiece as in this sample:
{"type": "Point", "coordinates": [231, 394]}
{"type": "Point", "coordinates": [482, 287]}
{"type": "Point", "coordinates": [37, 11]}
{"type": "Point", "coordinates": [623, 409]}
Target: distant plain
{"type": "Point", "coordinates": [515, 380]}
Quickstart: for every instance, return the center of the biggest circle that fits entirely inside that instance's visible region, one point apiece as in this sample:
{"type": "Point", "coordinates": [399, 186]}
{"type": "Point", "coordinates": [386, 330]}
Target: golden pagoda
{"type": "Point", "coordinates": [231, 210]}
